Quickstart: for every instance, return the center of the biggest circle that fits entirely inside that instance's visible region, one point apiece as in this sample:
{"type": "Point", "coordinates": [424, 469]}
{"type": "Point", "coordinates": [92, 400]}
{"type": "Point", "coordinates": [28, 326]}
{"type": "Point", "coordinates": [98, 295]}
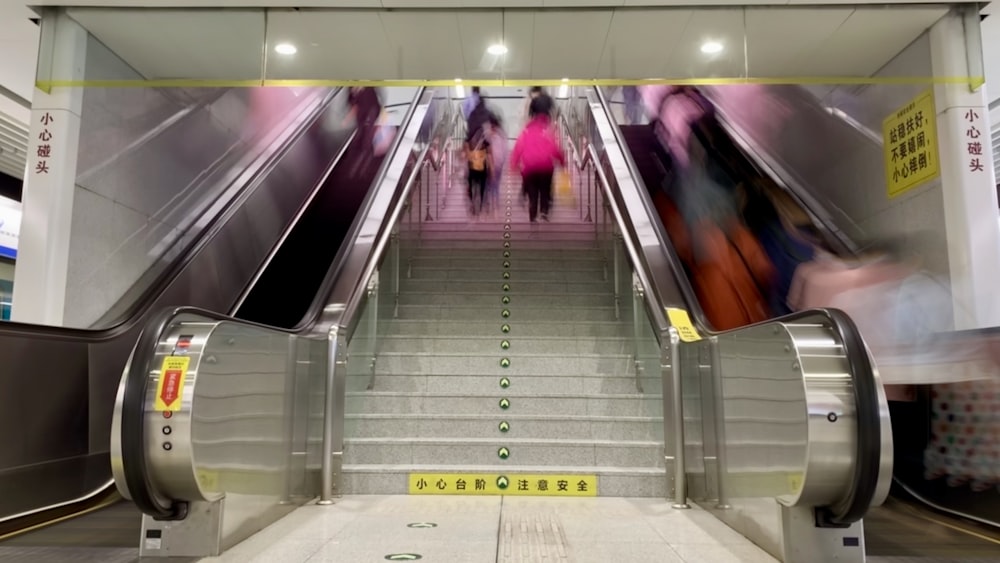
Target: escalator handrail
{"type": "Point", "coordinates": [868, 442]}
{"type": "Point", "coordinates": [138, 311]}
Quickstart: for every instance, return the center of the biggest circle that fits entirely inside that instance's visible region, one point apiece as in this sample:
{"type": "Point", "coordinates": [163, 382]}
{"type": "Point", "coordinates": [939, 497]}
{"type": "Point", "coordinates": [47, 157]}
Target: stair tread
{"type": "Point", "coordinates": [510, 395]}
{"type": "Point", "coordinates": [491, 441]}
{"type": "Point", "coordinates": [544, 469]}
{"type": "Point", "coordinates": [493, 417]}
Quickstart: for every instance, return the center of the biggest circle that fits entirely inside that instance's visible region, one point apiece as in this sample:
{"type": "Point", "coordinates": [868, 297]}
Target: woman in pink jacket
{"type": "Point", "coordinates": [535, 155]}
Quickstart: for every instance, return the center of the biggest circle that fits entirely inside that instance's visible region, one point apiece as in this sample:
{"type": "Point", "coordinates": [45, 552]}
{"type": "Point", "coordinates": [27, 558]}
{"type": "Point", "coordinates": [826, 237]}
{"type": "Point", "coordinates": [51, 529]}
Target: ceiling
{"type": "Point", "coordinates": [624, 43]}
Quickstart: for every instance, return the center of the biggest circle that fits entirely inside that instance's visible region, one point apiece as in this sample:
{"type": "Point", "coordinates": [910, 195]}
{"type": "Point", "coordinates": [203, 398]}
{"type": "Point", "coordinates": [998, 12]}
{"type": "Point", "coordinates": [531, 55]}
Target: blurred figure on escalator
{"type": "Point", "coordinates": [364, 109]}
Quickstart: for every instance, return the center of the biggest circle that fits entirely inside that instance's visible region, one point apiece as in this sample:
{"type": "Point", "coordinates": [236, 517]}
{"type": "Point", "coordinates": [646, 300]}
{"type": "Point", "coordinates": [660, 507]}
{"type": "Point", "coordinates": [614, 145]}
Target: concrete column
{"type": "Point", "coordinates": [967, 179]}
{"type": "Point", "coordinates": [50, 178]}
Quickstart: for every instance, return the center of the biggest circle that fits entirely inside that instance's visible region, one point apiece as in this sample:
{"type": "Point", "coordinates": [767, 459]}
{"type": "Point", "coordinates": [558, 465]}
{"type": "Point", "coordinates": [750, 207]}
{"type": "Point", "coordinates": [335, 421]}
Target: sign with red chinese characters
{"type": "Point", "coordinates": [973, 135]}
{"type": "Point", "coordinates": [909, 140]}
{"type": "Point", "coordinates": [170, 386]}
{"type": "Point", "coordinates": [43, 151]}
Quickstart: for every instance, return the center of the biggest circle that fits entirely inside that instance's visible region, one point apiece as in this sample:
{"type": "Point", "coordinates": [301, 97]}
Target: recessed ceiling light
{"type": "Point", "coordinates": [497, 49]}
{"type": "Point", "coordinates": [285, 49]}
{"type": "Point", "coordinates": [711, 47]}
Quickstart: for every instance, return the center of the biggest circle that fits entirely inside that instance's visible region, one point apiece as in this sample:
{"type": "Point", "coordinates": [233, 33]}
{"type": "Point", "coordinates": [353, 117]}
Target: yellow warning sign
{"type": "Point", "coordinates": [170, 387]}
{"type": "Point", "coordinates": [909, 145]}
{"type": "Point", "coordinates": [511, 484]}
{"type": "Point", "coordinates": [682, 322]}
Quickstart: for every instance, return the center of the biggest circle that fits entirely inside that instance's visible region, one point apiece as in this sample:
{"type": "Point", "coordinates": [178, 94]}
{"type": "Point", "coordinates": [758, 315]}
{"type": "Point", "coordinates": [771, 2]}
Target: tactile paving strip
{"type": "Point", "coordinates": [532, 538]}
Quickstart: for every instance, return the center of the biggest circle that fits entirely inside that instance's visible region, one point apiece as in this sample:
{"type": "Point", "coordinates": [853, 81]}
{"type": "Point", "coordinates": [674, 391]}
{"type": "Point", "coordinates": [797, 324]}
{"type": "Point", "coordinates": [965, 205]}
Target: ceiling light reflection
{"type": "Point", "coordinates": [711, 47]}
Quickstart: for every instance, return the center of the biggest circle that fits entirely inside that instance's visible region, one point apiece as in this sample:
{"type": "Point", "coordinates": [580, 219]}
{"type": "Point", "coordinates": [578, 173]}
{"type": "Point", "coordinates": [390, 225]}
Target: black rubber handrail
{"type": "Point", "coordinates": [868, 415]}
{"type": "Point", "coordinates": [866, 398]}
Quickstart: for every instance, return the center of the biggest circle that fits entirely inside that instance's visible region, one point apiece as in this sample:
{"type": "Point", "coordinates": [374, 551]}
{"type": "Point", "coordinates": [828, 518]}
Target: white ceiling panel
{"type": "Point", "coordinates": [781, 41]}
{"type": "Point", "coordinates": [626, 43]}
{"type": "Point", "coordinates": [195, 44]}
{"type": "Point", "coordinates": [519, 38]}
{"type": "Point", "coordinates": [426, 44]}
{"type": "Point", "coordinates": [869, 39]}
{"type": "Point", "coordinates": [569, 43]}
{"type": "Point", "coordinates": [724, 25]}
{"type": "Point", "coordinates": [477, 31]}
{"type": "Point", "coordinates": [639, 41]}
{"type": "Point", "coordinates": [322, 37]}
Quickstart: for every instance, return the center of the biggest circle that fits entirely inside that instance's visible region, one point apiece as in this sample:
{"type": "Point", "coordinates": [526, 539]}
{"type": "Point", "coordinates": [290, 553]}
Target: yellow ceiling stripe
{"type": "Point", "coordinates": [973, 81]}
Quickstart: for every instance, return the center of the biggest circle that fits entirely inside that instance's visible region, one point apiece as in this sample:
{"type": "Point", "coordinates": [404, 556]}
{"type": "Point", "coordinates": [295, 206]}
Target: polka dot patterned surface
{"type": "Point", "coordinates": [964, 447]}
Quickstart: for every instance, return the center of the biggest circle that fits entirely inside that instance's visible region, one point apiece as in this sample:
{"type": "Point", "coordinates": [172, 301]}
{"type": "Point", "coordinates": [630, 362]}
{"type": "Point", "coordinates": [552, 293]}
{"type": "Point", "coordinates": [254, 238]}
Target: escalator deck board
{"type": "Point", "coordinates": [28, 554]}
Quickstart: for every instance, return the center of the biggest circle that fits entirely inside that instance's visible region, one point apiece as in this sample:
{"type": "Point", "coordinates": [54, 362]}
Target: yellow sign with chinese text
{"type": "Point", "coordinates": [909, 145]}
{"type": "Point", "coordinates": [680, 320]}
{"type": "Point", "coordinates": [170, 386]}
{"type": "Point", "coordinates": [496, 484]}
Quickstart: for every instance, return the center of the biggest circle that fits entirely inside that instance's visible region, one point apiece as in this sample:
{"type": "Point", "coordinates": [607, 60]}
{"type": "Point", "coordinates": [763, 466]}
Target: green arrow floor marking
{"type": "Point", "coordinates": [503, 453]}
{"type": "Point", "coordinates": [505, 403]}
{"type": "Point", "coordinates": [502, 482]}
{"type": "Point", "coordinates": [504, 426]}
{"type": "Point", "coordinates": [505, 362]}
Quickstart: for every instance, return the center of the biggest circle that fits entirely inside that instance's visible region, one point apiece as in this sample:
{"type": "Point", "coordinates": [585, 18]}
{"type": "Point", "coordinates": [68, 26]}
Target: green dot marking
{"type": "Point", "coordinates": [505, 362]}
{"type": "Point", "coordinates": [505, 313]}
{"type": "Point", "coordinates": [502, 482]}
{"type": "Point", "coordinates": [505, 403]}
{"type": "Point", "coordinates": [505, 329]}
{"type": "Point", "coordinates": [505, 300]}
{"type": "Point", "coordinates": [504, 344]}
{"type": "Point", "coordinates": [506, 275]}
{"type": "Point", "coordinates": [506, 254]}
{"type": "Point", "coordinates": [506, 245]}
{"type": "Point", "coordinates": [506, 263]}
{"type": "Point", "coordinates": [504, 426]}
{"type": "Point", "coordinates": [503, 453]}
{"type": "Point", "coordinates": [506, 287]}
{"type": "Point", "coordinates": [504, 382]}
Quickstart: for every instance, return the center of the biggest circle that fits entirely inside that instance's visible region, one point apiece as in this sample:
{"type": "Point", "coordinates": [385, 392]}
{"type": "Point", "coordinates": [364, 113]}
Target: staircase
{"type": "Point", "coordinates": [505, 358]}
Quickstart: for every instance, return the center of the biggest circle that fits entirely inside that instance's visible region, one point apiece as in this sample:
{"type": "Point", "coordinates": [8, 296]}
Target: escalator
{"type": "Point", "coordinates": [904, 527]}
{"type": "Point", "coordinates": [312, 182]}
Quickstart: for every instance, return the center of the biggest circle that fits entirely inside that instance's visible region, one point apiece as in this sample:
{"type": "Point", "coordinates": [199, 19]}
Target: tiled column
{"type": "Point", "coordinates": [49, 182]}
{"type": "Point", "coordinates": [968, 184]}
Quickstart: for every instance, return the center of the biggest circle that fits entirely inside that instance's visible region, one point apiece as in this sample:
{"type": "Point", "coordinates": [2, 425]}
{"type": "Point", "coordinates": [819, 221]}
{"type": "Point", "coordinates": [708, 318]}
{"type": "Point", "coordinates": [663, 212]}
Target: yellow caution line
{"type": "Point", "coordinates": [955, 527]}
{"type": "Point", "coordinates": [973, 81]}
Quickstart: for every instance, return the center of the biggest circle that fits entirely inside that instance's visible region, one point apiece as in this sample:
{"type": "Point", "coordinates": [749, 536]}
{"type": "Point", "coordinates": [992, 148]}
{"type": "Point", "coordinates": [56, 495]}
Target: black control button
{"type": "Point", "coordinates": [168, 446]}
{"type": "Point", "coordinates": [167, 430]}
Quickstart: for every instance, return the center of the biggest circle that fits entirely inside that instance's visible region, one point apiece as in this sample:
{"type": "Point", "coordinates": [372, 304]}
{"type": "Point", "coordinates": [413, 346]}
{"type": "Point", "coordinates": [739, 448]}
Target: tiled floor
{"type": "Point", "coordinates": [497, 529]}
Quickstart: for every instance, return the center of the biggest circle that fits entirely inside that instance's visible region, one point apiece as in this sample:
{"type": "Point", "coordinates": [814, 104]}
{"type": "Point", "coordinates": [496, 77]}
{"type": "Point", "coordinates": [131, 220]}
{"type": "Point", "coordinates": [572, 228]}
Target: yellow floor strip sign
{"type": "Point", "coordinates": [507, 484]}
{"type": "Point", "coordinates": [973, 81]}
